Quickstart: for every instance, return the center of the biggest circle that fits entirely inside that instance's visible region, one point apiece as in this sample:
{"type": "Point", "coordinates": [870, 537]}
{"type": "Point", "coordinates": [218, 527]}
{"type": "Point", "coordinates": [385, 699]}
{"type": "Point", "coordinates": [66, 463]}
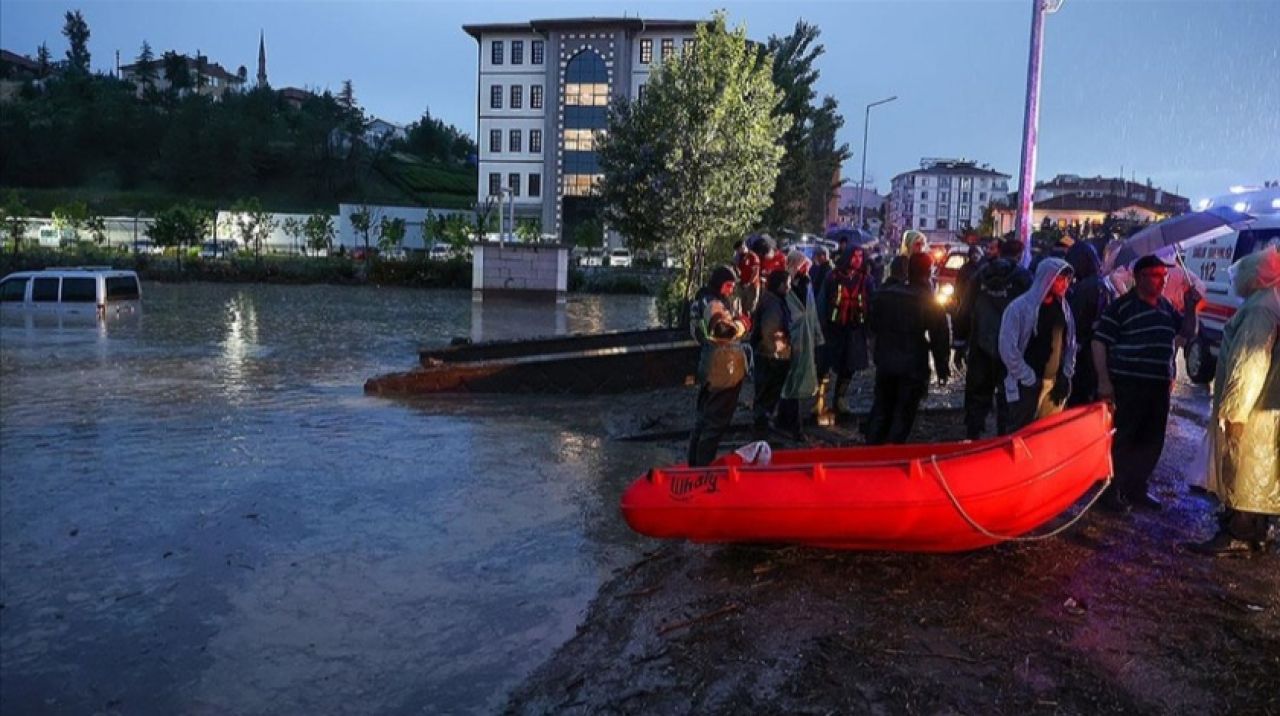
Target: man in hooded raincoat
{"type": "Point", "coordinates": [1244, 427]}
{"type": "Point", "coordinates": [1087, 298]}
{"type": "Point", "coordinates": [1038, 346]}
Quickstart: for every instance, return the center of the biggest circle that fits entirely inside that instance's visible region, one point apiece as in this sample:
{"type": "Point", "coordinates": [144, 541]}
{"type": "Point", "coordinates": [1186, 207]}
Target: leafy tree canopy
{"type": "Point", "coordinates": [692, 165]}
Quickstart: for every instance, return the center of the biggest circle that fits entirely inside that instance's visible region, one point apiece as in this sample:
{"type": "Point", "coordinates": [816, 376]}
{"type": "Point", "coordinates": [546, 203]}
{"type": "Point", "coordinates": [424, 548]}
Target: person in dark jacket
{"type": "Point", "coordinates": [772, 344]}
{"type": "Point", "coordinates": [820, 270]}
{"type": "Point", "coordinates": [843, 308]}
{"type": "Point", "coordinates": [978, 321]}
{"type": "Point", "coordinates": [1087, 298]}
{"type": "Point", "coordinates": [718, 325]}
{"type": "Point", "coordinates": [908, 325]}
{"type": "Point", "coordinates": [964, 278]}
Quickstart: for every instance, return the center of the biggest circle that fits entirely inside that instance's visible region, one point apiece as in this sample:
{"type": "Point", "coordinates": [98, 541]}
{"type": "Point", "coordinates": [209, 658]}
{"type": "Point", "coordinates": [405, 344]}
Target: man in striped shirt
{"type": "Point", "coordinates": [1133, 349]}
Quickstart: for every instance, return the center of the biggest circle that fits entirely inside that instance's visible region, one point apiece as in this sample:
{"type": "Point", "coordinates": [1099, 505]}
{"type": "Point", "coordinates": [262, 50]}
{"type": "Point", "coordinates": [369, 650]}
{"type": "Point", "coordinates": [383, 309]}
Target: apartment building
{"type": "Point", "coordinates": [943, 197]}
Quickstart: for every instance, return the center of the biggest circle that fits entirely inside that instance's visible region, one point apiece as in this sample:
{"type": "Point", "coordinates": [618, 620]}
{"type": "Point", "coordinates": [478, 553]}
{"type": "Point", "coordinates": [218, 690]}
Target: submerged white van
{"type": "Point", "coordinates": [99, 290]}
{"type": "Point", "coordinates": [1211, 261]}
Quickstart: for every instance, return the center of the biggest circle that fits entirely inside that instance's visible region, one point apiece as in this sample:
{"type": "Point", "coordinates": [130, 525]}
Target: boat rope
{"type": "Point", "coordinates": [955, 502]}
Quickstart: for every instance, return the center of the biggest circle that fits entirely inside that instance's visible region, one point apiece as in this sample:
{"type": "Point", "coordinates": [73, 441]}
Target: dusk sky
{"type": "Point", "coordinates": [1184, 93]}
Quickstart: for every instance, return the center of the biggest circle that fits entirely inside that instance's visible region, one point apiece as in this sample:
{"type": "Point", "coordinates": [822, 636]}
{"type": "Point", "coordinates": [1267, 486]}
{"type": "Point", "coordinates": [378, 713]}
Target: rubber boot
{"type": "Point", "coordinates": [838, 401]}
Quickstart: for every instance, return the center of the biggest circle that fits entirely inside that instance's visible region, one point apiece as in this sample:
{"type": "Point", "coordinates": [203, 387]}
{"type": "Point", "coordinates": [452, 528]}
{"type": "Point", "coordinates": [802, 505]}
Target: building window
{"type": "Point", "coordinates": [944, 210]}
{"type": "Point", "coordinates": [495, 140]}
{"type": "Point", "coordinates": [535, 96]}
{"type": "Point", "coordinates": [688, 45]}
{"type": "Point", "coordinates": [668, 48]}
{"type": "Point", "coordinates": [944, 196]}
{"type": "Point", "coordinates": [517, 96]}
{"type": "Point", "coordinates": [964, 196]}
{"type": "Point", "coordinates": [513, 181]}
{"type": "Point", "coordinates": [495, 184]}
{"type": "Point", "coordinates": [513, 140]}
{"type": "Point", "coordinates": [585, 115]}
{"type": "Point", "coordinates": [964, 212]}
{"type": "Point", "coordinates": [535, 185]}
{"type": "Point", "coordinates": [646, 51]}
{"type": "Point", "coordinates": [944, 181]}
{"type": "Point", "coordinates": [922, 208]}
{"type": "Point", "coordinates": [495, 53]}
{"type": "Point", "coordinates": [517, 52]}
{"type": "Point", "coordinates": [982, 196]}
{"type": "Point", "coordinates": [942, 223]}
{"type": "Point", "coordinates": [535, 142]}
{"type": "Point", "coordinates": [495, 96]}
{"type": "Point", "coordinates": [535, 52]}
{"type": "Point", "coordinates": [579, 140]}
{"type": "Point", "coordinates": [924, 223]}
{"type": "Point", "coordinates": [924, 195]}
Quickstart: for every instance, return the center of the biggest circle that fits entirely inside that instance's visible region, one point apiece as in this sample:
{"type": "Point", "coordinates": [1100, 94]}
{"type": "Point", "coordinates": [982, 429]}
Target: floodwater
{"type": "Point", "coordinates": [201, 512]}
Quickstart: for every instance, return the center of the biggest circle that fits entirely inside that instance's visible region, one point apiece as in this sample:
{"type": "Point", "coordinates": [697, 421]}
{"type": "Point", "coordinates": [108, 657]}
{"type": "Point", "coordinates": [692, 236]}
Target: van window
{"type": "Point", "coordinates": [79, 290]}
{"type": "Point", "coordinates": [15, 289]}
{"type": "Point", "coordinates": [44, 289]}
{"type": "Point", "coordinates": [122, 288]}
{"type": "Point", "coordinates": [1255, 240]}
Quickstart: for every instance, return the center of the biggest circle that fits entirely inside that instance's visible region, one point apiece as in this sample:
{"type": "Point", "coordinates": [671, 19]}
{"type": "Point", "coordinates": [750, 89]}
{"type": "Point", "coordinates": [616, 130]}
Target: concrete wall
{"type": "Point", "coordinates": [531, 270]}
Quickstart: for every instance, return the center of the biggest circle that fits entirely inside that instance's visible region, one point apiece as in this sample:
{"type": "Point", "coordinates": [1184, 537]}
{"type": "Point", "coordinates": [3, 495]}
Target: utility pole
{"type": "Point", "coordinates": [1030, 125]}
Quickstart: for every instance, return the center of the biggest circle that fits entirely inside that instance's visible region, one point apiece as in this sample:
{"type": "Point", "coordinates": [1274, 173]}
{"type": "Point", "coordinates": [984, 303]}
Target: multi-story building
{"type": "Point", "coordinates": [943, 197]}
{"type": "Point", "coordinates": [542, 99]}
{"type": "Point", "coordinates": [1116, 192]}
{"type": "Point", "coordinates": [206, 78]}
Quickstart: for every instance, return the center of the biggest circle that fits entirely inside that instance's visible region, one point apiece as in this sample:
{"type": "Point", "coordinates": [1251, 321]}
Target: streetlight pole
{"type": "Point", "coordinates": [1031, 124]}
{"type": "Point", "coordinates": [862, 182]}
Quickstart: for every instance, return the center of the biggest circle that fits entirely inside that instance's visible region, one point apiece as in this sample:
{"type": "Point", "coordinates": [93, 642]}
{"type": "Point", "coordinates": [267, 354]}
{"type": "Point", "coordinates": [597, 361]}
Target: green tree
{"type": "Point", "coordinates": [434, 140]}
{"type": "Point", "coordinates": [71, 216]}
{"type": "Point", "coordinates": [529, 229]}
{"type": "Point", "coordinates": [362, 221]}
{"type": "Point", "coordinates": [812, 161]}
{"type": "Point", "coordinates": [458, 231]}
{"type": "Point", "coordinates": [391, 233]}
{"type": "Point", "coordinates": [176, 72]}
{"type": "Point", "coordinates": [347, 97]}
{"type": "Point", "coordinates": [295, 228]}
{"type": "Point", "coordinates": [253, 224]}
{"type": "Point", "coordinates": [13, 219]}
{"type": "Point", "coordinates": [319, 232]}
{"type": "Point", "coordinates": [987, 227]}
{"type": "Point", "coordinates": [97, 228]}
{"type": "Point", "coordinates": [76, 30]}
{"type": "Point", "coordinates": [146, 73]}
{"type": "Point", "coordinates": [179, 227]}
{"type": "Point", "coordinates": [589, 234]}
{"type": "Point", "coordinates": [693, 165]}
{"type": "Point", "coordinates": [44, 60]}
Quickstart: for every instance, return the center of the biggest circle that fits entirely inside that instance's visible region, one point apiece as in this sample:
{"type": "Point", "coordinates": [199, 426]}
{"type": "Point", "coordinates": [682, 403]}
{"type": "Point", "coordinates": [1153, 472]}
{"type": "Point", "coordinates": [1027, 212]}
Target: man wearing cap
{"type": "Point", "coordinates": [1133, 349]}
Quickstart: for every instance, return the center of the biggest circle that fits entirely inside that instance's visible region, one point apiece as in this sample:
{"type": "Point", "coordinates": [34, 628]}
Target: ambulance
{"type": "Point", "coordinates": [1211, 260]}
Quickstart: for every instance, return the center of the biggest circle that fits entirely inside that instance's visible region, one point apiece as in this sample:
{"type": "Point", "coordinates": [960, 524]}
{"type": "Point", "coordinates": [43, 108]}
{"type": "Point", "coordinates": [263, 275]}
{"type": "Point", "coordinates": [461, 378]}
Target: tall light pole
{"type": "Point", "coordinates": [1031, 124]}
{"type": "Point", "coordinates": [862, 182]}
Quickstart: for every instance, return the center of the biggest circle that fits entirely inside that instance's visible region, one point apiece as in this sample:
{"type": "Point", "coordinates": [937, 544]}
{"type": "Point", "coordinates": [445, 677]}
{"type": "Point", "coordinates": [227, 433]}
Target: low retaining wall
{"type": "Point", "coordinates": [534, 271]}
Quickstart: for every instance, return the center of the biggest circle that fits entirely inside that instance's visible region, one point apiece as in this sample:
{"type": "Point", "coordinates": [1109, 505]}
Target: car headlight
{"type": "Point", "coordinates": [947, 289]}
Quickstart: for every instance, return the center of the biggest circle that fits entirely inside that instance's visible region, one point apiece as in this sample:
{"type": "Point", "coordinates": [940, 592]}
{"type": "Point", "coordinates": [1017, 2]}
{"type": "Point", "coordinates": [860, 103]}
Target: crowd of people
{"type": "Point", "coordinates": [1069, 330]}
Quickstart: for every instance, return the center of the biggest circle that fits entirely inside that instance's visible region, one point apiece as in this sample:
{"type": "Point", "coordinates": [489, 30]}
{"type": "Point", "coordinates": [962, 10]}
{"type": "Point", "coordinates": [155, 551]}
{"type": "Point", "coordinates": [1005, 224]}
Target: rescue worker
{"type": "Point", "coordinates": [845, 302]}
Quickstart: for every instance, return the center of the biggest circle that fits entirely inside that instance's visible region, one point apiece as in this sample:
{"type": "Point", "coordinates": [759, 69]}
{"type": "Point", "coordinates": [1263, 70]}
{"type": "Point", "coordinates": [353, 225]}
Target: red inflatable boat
{"type": "Point", "coordinates": [945, 497]}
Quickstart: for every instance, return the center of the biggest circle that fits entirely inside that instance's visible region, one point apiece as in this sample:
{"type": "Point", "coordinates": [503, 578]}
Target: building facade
{"type": "Point", "coordinates": [542, 99]}
{"type": "Point", "coordinates": [1115, 191]}
{"type": "Point", "coordinates": [943, 198]}
{"type": "Point", "coordinates": [206, 78]}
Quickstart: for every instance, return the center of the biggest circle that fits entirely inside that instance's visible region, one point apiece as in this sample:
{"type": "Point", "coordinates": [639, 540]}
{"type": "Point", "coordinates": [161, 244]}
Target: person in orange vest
{"type": "Point", "coordinates": [843, 306]}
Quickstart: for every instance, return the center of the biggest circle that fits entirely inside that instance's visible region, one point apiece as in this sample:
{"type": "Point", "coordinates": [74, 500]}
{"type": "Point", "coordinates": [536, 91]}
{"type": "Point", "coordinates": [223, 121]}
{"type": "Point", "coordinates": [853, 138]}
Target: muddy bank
{"type": "Point", "coordinates": [1112, 617]}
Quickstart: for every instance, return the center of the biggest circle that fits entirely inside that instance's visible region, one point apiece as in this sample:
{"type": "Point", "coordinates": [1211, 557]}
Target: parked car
{"type": "Point", "coordinates": [395, 254]}
{"type": "Point", "coordinates": [620, 258]}
{"type": "Point", "coordinates": [945, 276]}
{"type": "Point", "coordinates": [593, 257]}
{"type": "Point", "coordinates": [439, 252]}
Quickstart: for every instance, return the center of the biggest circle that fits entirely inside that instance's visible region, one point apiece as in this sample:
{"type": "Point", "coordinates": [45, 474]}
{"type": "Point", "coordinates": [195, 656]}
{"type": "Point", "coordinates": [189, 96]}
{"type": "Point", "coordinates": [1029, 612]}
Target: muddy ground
{"type": "Point", "coordinates": [1114, 616]}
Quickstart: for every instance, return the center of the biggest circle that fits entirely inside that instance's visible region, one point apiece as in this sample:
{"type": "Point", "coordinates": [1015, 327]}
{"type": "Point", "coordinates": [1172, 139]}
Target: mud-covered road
{"type": "Point", "coordinates": [1115, 616]}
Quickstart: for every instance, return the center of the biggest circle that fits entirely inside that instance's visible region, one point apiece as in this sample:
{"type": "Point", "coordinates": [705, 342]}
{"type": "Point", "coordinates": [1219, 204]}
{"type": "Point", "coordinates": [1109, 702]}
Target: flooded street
{"type": "Point", "coordinates": [201, 512]}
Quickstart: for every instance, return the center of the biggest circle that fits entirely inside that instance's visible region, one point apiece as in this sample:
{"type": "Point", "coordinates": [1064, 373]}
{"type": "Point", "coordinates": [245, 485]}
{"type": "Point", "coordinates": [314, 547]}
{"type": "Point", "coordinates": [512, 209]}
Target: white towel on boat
{"type": "Point", "coordinates": [756, 453]}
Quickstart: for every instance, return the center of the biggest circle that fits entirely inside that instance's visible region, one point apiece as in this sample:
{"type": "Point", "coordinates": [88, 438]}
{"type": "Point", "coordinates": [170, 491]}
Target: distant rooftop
{"type": "Point", "coordinates": [570, 23]}
{"type": "Point", "coordinates": [953, 167]}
